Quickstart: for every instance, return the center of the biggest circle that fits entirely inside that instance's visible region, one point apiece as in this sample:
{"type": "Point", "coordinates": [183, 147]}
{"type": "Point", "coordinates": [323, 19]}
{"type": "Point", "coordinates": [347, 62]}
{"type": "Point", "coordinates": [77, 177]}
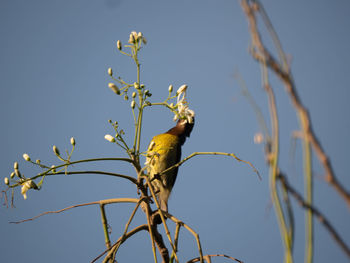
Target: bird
{"type": "Point", "coordinates": [163, 152]}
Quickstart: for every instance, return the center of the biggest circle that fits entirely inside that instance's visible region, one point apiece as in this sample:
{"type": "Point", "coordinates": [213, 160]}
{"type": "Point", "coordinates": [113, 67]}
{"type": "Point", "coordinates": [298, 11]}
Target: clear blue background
{"type": "Point", "coordinates": [54, 57]}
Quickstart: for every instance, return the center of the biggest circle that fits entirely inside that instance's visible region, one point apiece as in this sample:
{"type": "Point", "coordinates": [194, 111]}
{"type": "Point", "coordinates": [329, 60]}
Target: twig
{"type": "Point", "coordinates": [131, 179]}
{"type": "Point", "coordinates": [101, 202]}
{"type": "Point", "coordinates": [274, 154]}
{"type": "Point", "coordinates": [161, 213]}
{"type": "Point", "coordinates": [176, 239]}
{"type": "Point", "coordinates": [211, 153]}
{"type": "Point", "coordinates": [196, 236]}
{"type": "Point", "coordinates": [216, 255]}
{"type": "Point", "coordinates": [288, 81]}
{"type": "Point", "coordinates": [322, 219]}
{"type": "Point", "coordinates": [115, 249]}
{"type": "Point", "coordinates": [105, 226]}
{"type": "Point", "coordinates": [129, 234]}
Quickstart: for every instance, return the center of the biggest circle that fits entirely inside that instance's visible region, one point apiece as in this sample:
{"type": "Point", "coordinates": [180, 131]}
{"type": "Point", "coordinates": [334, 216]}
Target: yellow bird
{"type": "Point", "coordinates": [164, 151]}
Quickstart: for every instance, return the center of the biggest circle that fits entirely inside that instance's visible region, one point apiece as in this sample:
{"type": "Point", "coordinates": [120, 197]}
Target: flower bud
{"type": "Point", "coordinates": [109, 138]}
{"type": "Point", "coordinates": [139, 35]}
{"type": "Point", "coordinates": [133, 94]}
{"type": "Point", "coordinates": [132, 104]}
{"type": "Point", "coordinates": [6, 181]}
{"type": "Point", "coordinates": [37, 161]}
{"type": "Point", "coordinates": [55, 150]}
{"type": "Point", "coordinates": [12, 175]}
{"type": "Point", "coordinates": [26, 157]}
{"type": "Point", "coordinates": [15, 165]}
{"type": "Point", "coordinates": [110, 71]}
{"type": "Point", "coordinates": [114, 88]}
{"type": "Point", "coordinates": [72, 141]}
{"type": "Point", "coordinates": [126, 97]}
{"type": "Point", "coordinates": [136, 85]}
{"type": "Point", "coordinates": [170, 88]}
{"type": "Point", "coordinates": [132, 38]}
{"type": "Point", "coordinates": [182, 89]}
{"type": "Point", "coordinates": [142, 86]}
{"type": "Point", "coordinates": [119, 45]}
{"type": "Point", "coordinates": [53, 169]}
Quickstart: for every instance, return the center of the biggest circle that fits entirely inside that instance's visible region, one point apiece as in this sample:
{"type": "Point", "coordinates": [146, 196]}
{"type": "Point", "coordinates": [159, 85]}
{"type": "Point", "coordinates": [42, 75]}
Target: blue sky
{"type": "Point", "coordinates": [54, 57]}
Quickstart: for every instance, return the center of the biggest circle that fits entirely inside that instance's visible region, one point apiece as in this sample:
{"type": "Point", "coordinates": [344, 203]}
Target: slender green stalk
{"type": "Point", "coordinates": [274, 168]}
{"type": "Point", "coordinates": [308, 193]}
{"type": "Point", "coordinates": [105, 226]}
{"type": "Point", "coordinates": [139, 123]}
{"type": "Point", "coordinates": [176, 239]}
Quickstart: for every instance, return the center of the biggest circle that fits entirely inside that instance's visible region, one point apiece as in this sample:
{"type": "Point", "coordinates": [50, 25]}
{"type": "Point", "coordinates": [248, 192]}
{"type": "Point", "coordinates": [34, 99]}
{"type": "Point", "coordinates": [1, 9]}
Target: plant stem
{"type": "Point", "coordinates": [308, 192]}
{"type": "Point", "coordinates": [105, 226]}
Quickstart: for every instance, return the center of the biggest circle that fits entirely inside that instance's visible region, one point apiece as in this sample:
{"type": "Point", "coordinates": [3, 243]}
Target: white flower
{"type": "Point", "coordinates": [26, 157]}
{"type": "Point", "coordinates": [133, 37]}
{"type": "Point", "coordinates": [181, 90]}
{"type": "Point", "coordinates": [72, 141]}
{"type": "Point", "coordinates": [109, 138]}
{"type": "Point", "coordinates": [25, 187]}
{"type": "Point", "coordinates": [184, 112]}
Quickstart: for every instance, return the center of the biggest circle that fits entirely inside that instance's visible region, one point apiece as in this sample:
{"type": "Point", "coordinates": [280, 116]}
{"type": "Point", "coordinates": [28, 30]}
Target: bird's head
{"type": "Point", "coordinates": [182, 129]}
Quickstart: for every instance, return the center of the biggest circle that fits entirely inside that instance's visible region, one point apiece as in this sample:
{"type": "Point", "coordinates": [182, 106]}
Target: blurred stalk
{"type": "Point", "coordinates": [308, 195]}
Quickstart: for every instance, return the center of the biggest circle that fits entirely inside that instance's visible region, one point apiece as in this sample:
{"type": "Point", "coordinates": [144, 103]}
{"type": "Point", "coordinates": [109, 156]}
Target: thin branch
{"type": "Point", "coordinates": [322, 219]}
{"type": "Point", "coordinates": [196, 236]}
{"type": "Point", "coordinates": [101, 202]}
{"type": "Point", "coordinates": [176, 239]}
{"type": "Point", "coordinates": [129, 234]}
{"type": "Point", "coordinates": [161, 213]}
{"type": "Point", "coordinates": [131, 179]}
{"type": "Point", "coordinates": [115, 249]}
{"type": "Point", "coordinates": [216, 255]}
{"type": "Point", "coordinates": [211, 153]}
{"type": "Point", "coordinates": [105, 226]}
{"type": "Point", "coordinates": [287, 79]}
{"type": "Point", "coordinates": [249, 10]}
{"type": "Point", "coordinates": [64, 166]}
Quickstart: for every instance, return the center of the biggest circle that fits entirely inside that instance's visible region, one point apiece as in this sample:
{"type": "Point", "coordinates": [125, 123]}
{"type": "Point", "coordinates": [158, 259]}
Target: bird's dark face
{"type": "Point", "coordinates": [185, 128]}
